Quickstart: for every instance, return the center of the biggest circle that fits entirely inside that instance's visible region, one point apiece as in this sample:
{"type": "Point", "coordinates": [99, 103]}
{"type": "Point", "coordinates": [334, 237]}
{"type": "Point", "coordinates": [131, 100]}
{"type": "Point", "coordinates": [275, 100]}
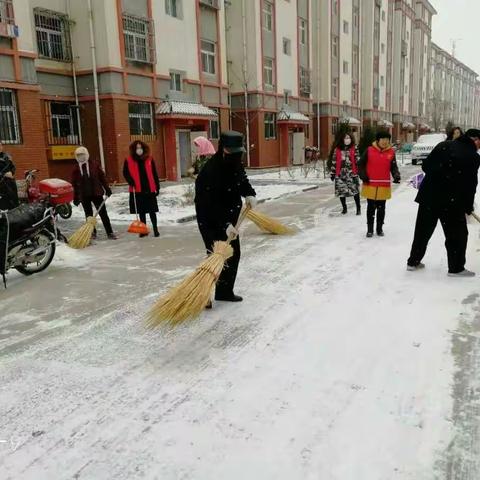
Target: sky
{"type": "Point", "coordinates": [460, 20]}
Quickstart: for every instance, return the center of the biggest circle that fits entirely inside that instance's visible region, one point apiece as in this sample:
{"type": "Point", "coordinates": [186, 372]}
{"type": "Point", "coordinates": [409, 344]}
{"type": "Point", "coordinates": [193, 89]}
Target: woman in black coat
{"type": "Point", "coordinates": [219, 188]}
{"type": "Point", "coordinates": [141, 175]}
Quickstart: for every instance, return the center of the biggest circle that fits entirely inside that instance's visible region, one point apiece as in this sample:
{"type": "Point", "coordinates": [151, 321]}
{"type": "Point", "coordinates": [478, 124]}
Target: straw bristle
{"type": "Point", "coordinates": [81, 238]}
{"type": "Point", "coordinates": [190, 297]}
{"type": "Point", "coordinates": [268, 224]}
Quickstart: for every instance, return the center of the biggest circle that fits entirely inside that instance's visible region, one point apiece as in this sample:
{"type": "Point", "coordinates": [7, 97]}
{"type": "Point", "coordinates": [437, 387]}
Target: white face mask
{"type": "Point", "coordinates": [139, 151]}
{"type": "Point", "coordinates": [347, 141]}
{"type": "Point", "coordinates": [82, 158]}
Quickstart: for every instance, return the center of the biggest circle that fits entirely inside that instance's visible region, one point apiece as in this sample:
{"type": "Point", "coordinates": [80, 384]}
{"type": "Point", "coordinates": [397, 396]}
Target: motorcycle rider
{"type": "Point", "coordinates": [89, 186]}
{"type": "Point", "coordinates": [8, 186]}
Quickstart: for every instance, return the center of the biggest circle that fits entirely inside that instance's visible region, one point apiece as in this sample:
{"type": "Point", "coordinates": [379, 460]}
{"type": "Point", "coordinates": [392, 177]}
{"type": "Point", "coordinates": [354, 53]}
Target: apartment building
{"type": "Point", "coordinates": [160, 75]}
{"type": "Point", "coordinates": [377, 63]}
{"type": "Point", "coordinates": [336, 68]}
{"type": "Point", "coordinates": [453, 92]}
{"type": "Point", "coordinates": [269, 48]}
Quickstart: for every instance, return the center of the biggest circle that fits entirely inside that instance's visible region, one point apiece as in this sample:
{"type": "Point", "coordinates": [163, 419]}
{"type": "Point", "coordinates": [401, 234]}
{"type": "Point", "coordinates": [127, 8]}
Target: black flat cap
{"type": "Point", "coordinates": [232, 141]}
{"type": "Point", "coordinates": [473, 133]}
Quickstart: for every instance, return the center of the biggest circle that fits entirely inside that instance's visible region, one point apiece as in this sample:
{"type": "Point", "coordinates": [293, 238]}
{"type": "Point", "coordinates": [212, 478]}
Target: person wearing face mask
{"type": "Point", "coordinates": [219, 188]}
{"type": "Point", "coordinates": [447, 194]}
{"type": "Point", "coordinates": [8, 186]}
{"type": "Point", "coordinates": [141, 175]}
{"type": "Point", "coordinates": [89, 186]}
{"type": "Point", "coordinates": [344, 171]}
{"type": "Point", "coordinates": [376, 167]}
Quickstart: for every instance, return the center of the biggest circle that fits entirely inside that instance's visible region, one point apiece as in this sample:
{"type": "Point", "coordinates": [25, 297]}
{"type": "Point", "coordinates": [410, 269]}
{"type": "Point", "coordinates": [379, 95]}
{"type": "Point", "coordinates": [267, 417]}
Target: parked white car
{"type": "Point", "coordinates": [425, 144]}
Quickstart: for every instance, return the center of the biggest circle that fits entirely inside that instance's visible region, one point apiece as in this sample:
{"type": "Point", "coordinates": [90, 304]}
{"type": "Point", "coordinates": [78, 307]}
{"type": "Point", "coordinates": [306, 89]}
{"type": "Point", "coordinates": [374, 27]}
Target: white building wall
{"type": "Point", "coordinates": [346, 15]}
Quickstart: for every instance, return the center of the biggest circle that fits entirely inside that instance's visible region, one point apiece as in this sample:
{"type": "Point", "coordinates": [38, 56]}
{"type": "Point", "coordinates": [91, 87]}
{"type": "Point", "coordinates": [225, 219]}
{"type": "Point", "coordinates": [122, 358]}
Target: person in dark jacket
{"type": "Point", "coordinates": [454, 133]}
{"type": "Point", "coordinates": [344, 171]}
{"type": "Point", "coordinates": [89, 186]}
{"type": "Point", "coordinates": [377, 165]}
{"type": "Point", "coordinates": [8, 186]}
{"type": "Point", "coordinates": [141, 175]}
{"type": "Point", "coordinates": [447, 194]}
{"type": "Point", "coordinates": [220, 186]}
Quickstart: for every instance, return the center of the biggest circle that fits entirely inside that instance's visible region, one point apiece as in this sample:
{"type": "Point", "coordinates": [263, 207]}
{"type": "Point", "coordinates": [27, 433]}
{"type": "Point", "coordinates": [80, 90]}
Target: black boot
{"type": "Point", "coordinates": [370, 230]}
{"type": "Point", "coordinates": [370, 218]}
{"type": "Point", "coordinates": [380, 220]}
{"type": "Point", "coordinates": [156, 233]}
{"type": "Point", "coordinates": [357, 203]}
{"type": "Point", "coordinates": [227, 297]}
{"type": "Point", "coordinates": [344, 205]}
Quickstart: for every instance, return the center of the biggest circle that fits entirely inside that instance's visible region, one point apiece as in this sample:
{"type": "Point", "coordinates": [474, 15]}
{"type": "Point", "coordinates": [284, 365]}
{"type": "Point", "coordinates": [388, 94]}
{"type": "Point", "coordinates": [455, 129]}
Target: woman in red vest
{"type": "Point", "coordinates": [376, 167]}
{"type": "Point", "coordinates": [141, 175]}
{"type": "Point", "coordinates": [344, 171]}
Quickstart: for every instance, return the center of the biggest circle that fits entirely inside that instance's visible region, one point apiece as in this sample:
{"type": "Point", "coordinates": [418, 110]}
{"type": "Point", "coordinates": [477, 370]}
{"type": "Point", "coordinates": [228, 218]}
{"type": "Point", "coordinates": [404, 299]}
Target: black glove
{"type": "Point", "coordinates": [332, 177]}
{"type": "Point", "coordinates": [469, 210]}
{"type": "Point", "coordinates": [397, 180]}
{"type": "Point", "coordinates": [108, 192]}
{"type": "Point", "coordinates": [76, 202]}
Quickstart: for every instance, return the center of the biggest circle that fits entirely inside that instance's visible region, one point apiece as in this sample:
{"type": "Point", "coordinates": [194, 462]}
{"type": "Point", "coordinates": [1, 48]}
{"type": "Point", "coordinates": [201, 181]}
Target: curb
{"type": "Point", "coordinates": [190, 218]}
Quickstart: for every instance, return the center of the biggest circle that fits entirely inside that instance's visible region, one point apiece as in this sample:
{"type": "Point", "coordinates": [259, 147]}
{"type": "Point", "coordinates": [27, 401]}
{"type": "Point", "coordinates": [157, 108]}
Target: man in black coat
{"type": "Point", "coordinates": [8, 186]}
{"type": "Point", "coordinates": [447, 194]}
{"type": "Point", "coordinates": [220, 186]}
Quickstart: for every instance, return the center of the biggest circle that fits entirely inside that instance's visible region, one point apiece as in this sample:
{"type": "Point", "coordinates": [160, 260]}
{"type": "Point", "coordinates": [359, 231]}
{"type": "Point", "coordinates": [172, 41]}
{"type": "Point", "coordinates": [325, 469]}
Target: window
{"type": "Point", "coordinates": [345, 67]}
{"type": "Point", "coordinates": [345, 27]}
{"type": "Point", "coordinates": [305, 81]}
{"type": "Point", "coordinates": [173, 8]}
{"type": "Point", "coordinates": [175, 82]}
{"type": "Point", "coordinates": [9, 125]}
{"type": "Point", "coordinates": [139, 39]}
{"type": "Point", "coordinates": [383, 48]}
{"type": "Point", "coordinates": [335, 87]}
{"type": "Point", "coordinates": [268, 16]}
{"type": "Point", "coordinates": [270, 120]}
{"type": "Point", "coordinates": [64, 128]}
{"type": "Point", "coordinates": [335, 47]}
{"type": "Point", "coordinates": [208, 57]}
{"type": "Point", "coordinates": [268, 72]}
{"type": "Point", "coordinates": [286, 95]}
{"type": "Point", "coordinates": [214, 126]}
{"type": "Point", "coordinates": [303, 31]}
{"type": "Point", "coordinates": [6, 11]}
{"type": "Point", "coordinates": [287, 46]}
{"type": "Point", "coordinates": [382, 81]}
{"type": "Point", "coordinates": [53, 35]}
{"type": "Point", "coordinates": [335, 7]}
{"type": "Point", "coordinates": [140, 116]}
{"type": "Point", "coordinates": [383, 15]}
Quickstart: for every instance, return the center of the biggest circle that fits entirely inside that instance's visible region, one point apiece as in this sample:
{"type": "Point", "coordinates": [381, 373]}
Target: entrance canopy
{"type": "Point", "coordinates": [408, 126]}
{"type": "Point", "coordinates": [385, 123]}
{"type": "Point", "coordinates": [352, 121]}
{"type": "Point", "coordinates": [175, 109]}
{"type": "Point", "coordinates": [286, 116]}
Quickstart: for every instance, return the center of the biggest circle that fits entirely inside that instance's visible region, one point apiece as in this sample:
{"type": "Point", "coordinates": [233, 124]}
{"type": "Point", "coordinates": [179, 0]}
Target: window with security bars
{"type": "Point", "coordinates": [53, 35]}
{"type": "Point", "coordinates": [9, 122]}
{"type": "Point", "coordinates": [176, 82]}
{"type": "Point", "coordinates": [6, 12]}
{"type": "Point", "coordinates": [139, 37]}
{"type": "Point", "coordinates": [305, 85]}
{"type": "Point", "coordinates": [268, 73]}
{"type": "Point", "coordinates": [140, 117]}
{"type": "Point", "coordinates": [63, 124]}
{"type": "Point", "coordinates": [270, 124]}
{"type": "Point", "coordinates": [208, 57]}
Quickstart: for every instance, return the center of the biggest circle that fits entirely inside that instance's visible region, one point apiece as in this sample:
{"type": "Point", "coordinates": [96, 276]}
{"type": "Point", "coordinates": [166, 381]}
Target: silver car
{"type": "Point", "coordinates": [425, 144]}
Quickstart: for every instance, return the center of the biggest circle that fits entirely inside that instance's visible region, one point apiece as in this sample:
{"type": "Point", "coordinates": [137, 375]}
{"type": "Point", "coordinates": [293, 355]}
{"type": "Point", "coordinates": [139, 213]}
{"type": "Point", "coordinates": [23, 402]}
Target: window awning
{"type": "Point", "coordinates": [355, 122]}
{"type": "Point", "coordinates": [293, 117]}
{"type": "Point", "coordinates": [408, 125]}
{"type": "Point", "coordinates": [184, 110]}
{"type": "Point", "coordinates": [425, 126]}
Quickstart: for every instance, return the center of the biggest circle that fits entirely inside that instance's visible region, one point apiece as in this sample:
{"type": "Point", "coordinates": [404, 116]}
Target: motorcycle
{"type": "Point", "coordinates": [58, 192]}
{"type": "Point", "coordinates": [28, 237]}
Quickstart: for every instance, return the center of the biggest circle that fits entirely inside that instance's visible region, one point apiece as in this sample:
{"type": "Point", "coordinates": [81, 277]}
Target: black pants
{"type": "Point", "coordinates": [153, 219]}
{"type": "Point", "coordinates": [454, 224]}
{"type": "Point", "coordinates": [375, 207]}
{"type": "Point", "coordinates": [356, 197]}
{"type": "Point", "coordinates": [226, 281]}
{"type": "Point", "coordinates": [97, 201]}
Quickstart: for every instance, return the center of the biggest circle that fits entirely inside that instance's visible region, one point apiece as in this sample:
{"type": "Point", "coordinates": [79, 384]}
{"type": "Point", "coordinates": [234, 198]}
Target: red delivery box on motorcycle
{"type": "Point", "coordinates": [59, 191]}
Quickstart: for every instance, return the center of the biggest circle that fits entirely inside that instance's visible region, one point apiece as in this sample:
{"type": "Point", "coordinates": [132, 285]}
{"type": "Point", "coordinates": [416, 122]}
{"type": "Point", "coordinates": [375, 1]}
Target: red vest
{"type": "Point", "coordinates": [353, 159]}
{"type": "Point", "coordinates": [135, 173]}
{"type": "Point", "coordinates": [379, 165]}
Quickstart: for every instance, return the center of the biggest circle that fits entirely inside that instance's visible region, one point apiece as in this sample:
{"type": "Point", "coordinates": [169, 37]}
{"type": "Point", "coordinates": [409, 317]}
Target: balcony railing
{"type": "Point", "coordinates": [7, 20]}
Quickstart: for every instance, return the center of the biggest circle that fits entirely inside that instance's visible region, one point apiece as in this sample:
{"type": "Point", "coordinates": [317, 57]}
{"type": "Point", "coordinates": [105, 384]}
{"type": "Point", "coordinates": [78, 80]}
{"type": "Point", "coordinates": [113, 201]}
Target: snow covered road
{"type": "Point", "coordinates": [339, 365]}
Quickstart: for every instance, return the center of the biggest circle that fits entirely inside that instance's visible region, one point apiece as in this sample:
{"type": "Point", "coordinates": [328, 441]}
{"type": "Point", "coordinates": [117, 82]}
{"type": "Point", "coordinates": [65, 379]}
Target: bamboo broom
{"type": "Point", "coordinates": [82, 237]}
{"type": "Point", "coordinates": [190, 297]}
{"type": "Point", "coordinates": [268, 224]}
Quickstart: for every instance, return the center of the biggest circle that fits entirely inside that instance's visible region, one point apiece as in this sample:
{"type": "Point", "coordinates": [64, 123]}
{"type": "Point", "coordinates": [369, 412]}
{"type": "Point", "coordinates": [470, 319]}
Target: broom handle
{"type": "Point", "coordinates": [135, 202]}
{"type": "Point", "coordinates": [103, 203]}
{"type": "Point", "coordinates": [241, 218]}
{"type": "Point", "coordinates": [476, 217]}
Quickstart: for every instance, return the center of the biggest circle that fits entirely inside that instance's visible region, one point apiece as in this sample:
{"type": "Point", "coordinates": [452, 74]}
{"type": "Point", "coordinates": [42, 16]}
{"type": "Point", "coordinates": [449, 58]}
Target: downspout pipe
{"type": "Point", "coordinates": [95, 84]}
{"type": "Point", "coordinates": [245, 79]}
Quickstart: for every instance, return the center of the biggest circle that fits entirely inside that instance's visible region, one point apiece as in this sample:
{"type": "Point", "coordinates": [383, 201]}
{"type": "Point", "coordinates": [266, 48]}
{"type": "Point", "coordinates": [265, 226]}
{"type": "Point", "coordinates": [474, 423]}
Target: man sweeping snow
{"type": "Point", "coordinates": [447, 194]}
